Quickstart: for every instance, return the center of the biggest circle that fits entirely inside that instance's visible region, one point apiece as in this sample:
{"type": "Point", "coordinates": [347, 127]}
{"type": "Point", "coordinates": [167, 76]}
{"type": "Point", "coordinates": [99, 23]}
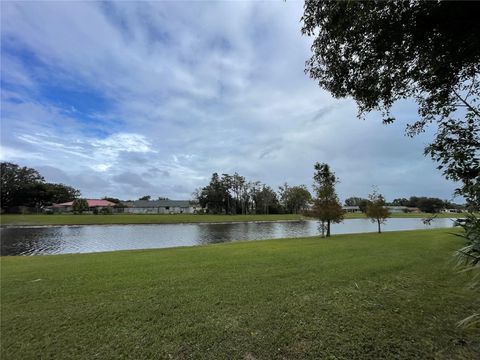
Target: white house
{"type": "Point", "coordinates": [351, 209]}
{"type": "Point", "coordinates": [160, 207]}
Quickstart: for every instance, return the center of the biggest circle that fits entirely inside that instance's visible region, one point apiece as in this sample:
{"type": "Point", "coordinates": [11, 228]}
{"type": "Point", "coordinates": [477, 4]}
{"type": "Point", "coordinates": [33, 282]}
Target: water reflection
{"type": "Point", "coordinates": [96, 238]}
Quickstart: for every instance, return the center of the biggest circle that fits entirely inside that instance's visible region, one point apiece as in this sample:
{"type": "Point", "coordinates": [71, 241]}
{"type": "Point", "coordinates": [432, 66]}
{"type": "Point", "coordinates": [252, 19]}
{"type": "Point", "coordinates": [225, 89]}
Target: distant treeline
{"type": "Point", "coordinates": [233, 194]}
{"type": "Point", "coordinates": [25, 187]}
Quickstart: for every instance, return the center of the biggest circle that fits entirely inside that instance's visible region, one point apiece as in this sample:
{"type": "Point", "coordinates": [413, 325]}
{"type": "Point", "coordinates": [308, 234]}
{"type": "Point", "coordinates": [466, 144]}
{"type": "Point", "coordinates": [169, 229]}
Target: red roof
{"type": "Point", "coordinates": [91, 203]}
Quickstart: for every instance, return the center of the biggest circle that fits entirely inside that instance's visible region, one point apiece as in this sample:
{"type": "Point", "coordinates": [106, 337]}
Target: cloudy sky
{"type": "Point", "coordinates": [128, 99]}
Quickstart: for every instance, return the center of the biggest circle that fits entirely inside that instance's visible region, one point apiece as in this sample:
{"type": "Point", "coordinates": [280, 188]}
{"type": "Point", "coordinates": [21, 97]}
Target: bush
{"type": "Point", "coordinates": [79, 206]}
{"type": "Point", "coordinates": [468, 259]}
{"type": "Point", "coordinates": [106, 211]}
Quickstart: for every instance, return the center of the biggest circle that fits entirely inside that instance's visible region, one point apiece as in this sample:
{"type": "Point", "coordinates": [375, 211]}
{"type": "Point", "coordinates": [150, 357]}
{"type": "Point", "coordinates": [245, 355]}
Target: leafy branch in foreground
{"type": "Point", "coordinates": [468, 259]}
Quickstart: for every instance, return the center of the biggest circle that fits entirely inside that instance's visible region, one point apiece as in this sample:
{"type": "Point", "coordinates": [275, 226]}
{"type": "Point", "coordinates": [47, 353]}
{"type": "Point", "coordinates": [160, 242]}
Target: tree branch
{"type": "Point", "coordinates": [475, 111]}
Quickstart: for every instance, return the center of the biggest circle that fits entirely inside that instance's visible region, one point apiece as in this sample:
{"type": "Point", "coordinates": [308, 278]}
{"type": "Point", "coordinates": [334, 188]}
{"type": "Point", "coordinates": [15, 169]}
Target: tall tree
{"type": "Point", "coordinates": [60, 193]}
{"type": "Point", "coordinates": [266, 200]}
{"type": "Point", "coordinates": [295, 199]}
{"type": "Point", "coordinates": [379, 52]}
{"type": "Point", "coordinates": [14, 179]}
{"type": "Point", "coordinates": [213, 195]}
{"type": "Point", "coordinates": [326, 205]}
{"type": "Point", "coordinates": [376, 209]}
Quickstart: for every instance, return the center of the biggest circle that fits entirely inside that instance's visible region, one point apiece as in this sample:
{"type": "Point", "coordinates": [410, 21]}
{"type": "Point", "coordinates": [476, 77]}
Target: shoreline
{"type": "Point", "coordinates": [16, 226]}
{"type": "Point", "coordinates": [40, 221]}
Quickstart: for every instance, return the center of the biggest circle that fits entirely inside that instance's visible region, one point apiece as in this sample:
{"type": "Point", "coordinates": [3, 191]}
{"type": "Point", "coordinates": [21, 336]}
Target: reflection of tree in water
{"type": "Point", "coordinates": [31, 241]}
{"type": "Point", "coordinates": [220, 233]}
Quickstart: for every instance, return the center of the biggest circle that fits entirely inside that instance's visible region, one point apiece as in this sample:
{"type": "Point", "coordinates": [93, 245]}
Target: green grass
{"type": "Point", "coordinates": [368, 296]}
{"type": "Point", "coordinates": [68, 219]}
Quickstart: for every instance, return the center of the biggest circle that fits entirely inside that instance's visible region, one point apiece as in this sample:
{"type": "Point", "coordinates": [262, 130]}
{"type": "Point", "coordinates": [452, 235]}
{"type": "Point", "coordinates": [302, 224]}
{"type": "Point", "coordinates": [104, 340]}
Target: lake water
{"type": "Point", "coordinates": [96, 238]}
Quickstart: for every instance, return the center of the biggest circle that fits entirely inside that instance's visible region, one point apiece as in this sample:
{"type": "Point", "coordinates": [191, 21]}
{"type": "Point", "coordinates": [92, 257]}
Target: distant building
{"type": "Point", "coordinates": [451, 211]}
{"type": "Point", "coordinates": [351, 209]}
{"type": "Point", "coordinates": [397, 209]}
{"type": "Point", "coordinates": [160, 207]}
{"type": "Point", "coordinates": [92, 204]}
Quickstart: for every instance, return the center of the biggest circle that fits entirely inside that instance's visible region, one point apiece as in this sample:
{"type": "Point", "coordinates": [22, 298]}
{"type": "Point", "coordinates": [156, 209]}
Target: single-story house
{"type": "Point", "coordinates": [92, 204]}
{"type": "Point", "coordinates": [160, 207]}
{"type": "Point", "coordinates": [351, 209]}
{"type": "Point", "coordinates": [452, 211]}
{"type": "Point", "coordinates": [397, 209]}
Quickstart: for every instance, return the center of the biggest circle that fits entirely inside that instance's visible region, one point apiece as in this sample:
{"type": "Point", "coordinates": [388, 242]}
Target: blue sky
{"type": "Point", "coordinates": [127, 99]}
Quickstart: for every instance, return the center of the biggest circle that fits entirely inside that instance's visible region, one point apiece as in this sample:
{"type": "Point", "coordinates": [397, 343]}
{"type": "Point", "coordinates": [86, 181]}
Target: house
{"type": "Point", "coordinates": [397, 209]}
{"type": "Point", "coordinates": [451, 211]}
{"type": "Point", "coordinates": [92, 205]}
{"type": "Point", "coordinates": [160, 207]}
{"type": "Point", "coordinates": [351, 209]}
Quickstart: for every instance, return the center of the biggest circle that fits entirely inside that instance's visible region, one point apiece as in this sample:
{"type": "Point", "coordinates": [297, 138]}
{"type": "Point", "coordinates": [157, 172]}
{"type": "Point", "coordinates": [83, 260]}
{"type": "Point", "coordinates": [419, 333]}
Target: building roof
{"type": "Point", "coordinates": [157, 203]}
{"type": "Point", "coordinates": [91, 203]}
{"type": "Point", "coordinates": [354, 207]}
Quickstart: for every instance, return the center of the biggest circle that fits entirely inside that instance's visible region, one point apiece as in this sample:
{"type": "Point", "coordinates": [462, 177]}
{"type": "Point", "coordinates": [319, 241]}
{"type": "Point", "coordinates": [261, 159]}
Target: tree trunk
{"type": "Point", "coordinates": [379, 230]}
{"type": "Point", "coordinates": [328, 228]}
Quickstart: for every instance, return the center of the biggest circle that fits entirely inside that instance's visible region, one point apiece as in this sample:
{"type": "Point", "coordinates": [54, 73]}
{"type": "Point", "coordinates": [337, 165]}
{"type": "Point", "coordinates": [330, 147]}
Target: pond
{"type": "Point", "coordinates": [97, 238]}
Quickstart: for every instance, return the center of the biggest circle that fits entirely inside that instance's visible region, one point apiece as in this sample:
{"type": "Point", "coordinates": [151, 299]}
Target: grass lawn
{"type": "Point", "coordinates": [68, 219]}
{"type": "Point", "coordinates": [368, 296]}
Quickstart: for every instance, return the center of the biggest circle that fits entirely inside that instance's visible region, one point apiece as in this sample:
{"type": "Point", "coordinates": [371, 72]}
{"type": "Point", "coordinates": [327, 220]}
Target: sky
{"type": "Point", "coordinates": [127, 99]}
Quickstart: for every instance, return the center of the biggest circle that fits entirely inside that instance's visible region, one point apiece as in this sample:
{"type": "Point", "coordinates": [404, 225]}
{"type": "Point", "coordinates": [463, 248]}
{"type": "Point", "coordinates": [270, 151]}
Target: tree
{"type": "Point", "coordinates": [294, 199]}
{"type": "Point", "coordinates": [60, 193]}
{"type": "Point", "coordinates": [145, 198]}
{"type": "Point", "coordinates": [213, 195]}
{"type": "Point", "coordinates": [79, 206]}
{"type": "Point", "coordinates": [326, 206]}
{"type": "Point", "coordinates": [266, 200]}
{"type": "Point", "coordinates": [379, 52]}
{"type": "Point", "coordinates": [401, 202]}
{"type": "Point", "coordinates": [13, 180]}
{"type": "Point", "coordinates": [457, 150]}
{"type": "Point", "coordinates": [429, 51]}
{"type": "Point", "coordinates": [376, 209]}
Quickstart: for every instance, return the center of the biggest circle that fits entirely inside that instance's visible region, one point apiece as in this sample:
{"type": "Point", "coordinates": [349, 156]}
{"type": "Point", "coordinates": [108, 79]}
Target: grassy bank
{"type": "Point", "coordinates": [68, 219]}
{"type": "Point", "coordinates": [370, 296]}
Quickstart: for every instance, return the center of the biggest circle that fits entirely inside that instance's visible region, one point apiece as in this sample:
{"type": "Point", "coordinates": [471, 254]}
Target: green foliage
{"type": "Point", "coordinates": [468, 259]}
{"type": "Point", "coordinates": [145, 198]}
{"type": "Point", "coordinates": [14, 179]}
{"type": "Point", "coordinates": [266, 201]}
{"type": "Point", "coordinates": [326, 205]}
{"type": "Point", "coordinates": [79, 206]}
{"type": "Point", "coordinates": [384, 51]}
{"type": "Point", "coordinates": [376, 210]}
{"type": "Point", "coordinates": [105, 211]}
{"type": "Point", "coordinates": [457, 150]}
{"type": "Point", "coordinates": [379, 52]}
{"type": "Point", "coordinates": [22, 186]}
{"type": "Point", "coordinates": [233, 194]}
{"type": "Point", "coordinates": [294, 199]}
